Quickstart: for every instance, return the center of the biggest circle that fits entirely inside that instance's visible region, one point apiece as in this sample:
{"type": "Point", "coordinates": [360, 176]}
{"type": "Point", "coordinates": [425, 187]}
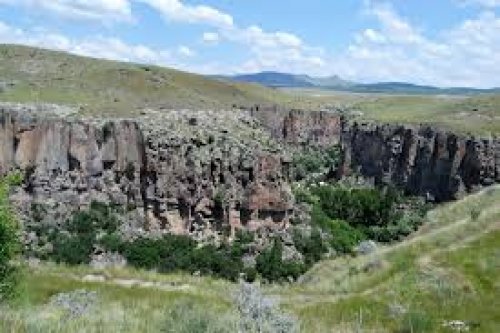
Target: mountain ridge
{"type": "Point", "coordinates": [286, 80]}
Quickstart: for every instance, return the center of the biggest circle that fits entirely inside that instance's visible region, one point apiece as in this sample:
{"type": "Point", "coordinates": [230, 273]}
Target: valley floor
{"type": "Point", "coordinates": [442, 279]}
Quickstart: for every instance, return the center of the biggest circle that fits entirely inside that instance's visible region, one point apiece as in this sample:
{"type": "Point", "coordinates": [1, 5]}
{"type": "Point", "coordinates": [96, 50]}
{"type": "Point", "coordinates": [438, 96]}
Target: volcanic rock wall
{"type": "Point", "coordinates": [420, 160]}
{"type": "Point", "coordinates": [182, 183]}
{"type": "Point", "coordinates": [195, 172]}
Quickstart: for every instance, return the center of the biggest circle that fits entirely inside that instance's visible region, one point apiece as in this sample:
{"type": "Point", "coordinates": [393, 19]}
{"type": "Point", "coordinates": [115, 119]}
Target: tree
{"type": "Point", "coordinates": [9, 242]}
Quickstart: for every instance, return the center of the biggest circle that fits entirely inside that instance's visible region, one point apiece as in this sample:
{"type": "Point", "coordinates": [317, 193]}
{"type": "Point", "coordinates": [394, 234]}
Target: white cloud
{"type": "Point", "coordinates": [98, 47]}
{"type": "Point", "coordinates": [211, 37]}
{"type": "Point", "coordinates": [175, 10]}
{"type": "Point", "coordinates": [185, 51]}
{"type": "Point", "coordinates": [119, 10]}
{"type": "Point", "coordinates": [465, 55]}
{"type": "Point", "coordinates": [484, 3]}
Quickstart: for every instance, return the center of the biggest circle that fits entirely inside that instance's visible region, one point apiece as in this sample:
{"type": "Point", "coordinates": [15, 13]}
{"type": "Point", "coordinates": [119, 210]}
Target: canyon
{"type": "Point", "coordinates": [201, 172]}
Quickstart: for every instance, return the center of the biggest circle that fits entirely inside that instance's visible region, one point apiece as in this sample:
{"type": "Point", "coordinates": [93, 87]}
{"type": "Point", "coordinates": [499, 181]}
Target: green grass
{"type": "Point", "coordinates": [478, 114]}
{"type": "Point", "coordinates": [112, 88]}
{"type": "Point", "coordinates": [448, 270]}
{"type": "Point", "coordinates": [101, 87]}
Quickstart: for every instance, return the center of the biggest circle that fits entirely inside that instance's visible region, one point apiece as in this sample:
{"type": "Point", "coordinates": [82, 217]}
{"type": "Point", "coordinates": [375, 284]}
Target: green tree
{"type": "Point", "coordinates": [9, 241]}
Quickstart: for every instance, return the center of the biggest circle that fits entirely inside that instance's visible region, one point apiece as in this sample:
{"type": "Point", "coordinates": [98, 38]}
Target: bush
{"type": "Point", "coordinates": [344, 237]}
{"type": "Point", "coordinates": [75, 244]}
{"type": "Point", "coordinates": [9, 242]}
{"type": "Point", "coordinates": [315, 161]}
{"type": "Point", "coordinates": [358, 206]}
{"type": "Point", "coordinates": [350, 215]}
{"type": "Point", "coordinates": [73, 249]}
{"type": "Point", "coordinates": [260, 314]}
{"type": "Point", "coordinates": [188, 317]}
{"type": "Point", "coordinates": [271, 266]}
{"type": "Point", "coordinates": [312, 247]}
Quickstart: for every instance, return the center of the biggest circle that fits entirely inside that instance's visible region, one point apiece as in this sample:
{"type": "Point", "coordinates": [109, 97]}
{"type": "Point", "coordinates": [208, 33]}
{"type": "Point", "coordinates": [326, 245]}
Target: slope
{"type": "Point", "coordinates": [116, 88]}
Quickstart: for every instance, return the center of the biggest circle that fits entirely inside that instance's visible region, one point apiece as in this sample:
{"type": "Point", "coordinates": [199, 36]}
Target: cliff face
{"type": "Point", "coordinates": [421, 160]}
{"type": "Point", "coordinates": [197, 173]}
{"type": "Point", "coordinates": [186, 182]}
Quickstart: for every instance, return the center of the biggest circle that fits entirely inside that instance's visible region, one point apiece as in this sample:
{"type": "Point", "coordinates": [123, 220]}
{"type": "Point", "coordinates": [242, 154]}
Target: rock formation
{"type": "Point", "coordinates": [196, 172]}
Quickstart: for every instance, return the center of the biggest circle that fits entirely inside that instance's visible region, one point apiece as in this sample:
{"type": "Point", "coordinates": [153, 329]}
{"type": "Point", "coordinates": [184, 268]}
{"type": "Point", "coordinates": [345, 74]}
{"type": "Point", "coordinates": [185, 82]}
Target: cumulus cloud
{"type": "Point", "coordinates": [465, 55]}
{"type": "Point", "coordinates": [211, 37]}
{"type": "Point", "coordinates": [185, 51]}
{"type": "Point", "coordinates": [81, 9]}
{"type": "Point", "coordinates": [98, 47]}
{"type": "Point", "coordinates": [175, 10]}
{"type": "Point", "coordinates": [281, 51]}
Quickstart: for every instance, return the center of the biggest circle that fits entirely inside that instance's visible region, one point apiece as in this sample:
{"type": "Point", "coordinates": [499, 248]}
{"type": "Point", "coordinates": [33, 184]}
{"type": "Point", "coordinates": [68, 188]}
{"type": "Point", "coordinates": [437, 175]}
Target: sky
{"type": "Point", "coordinates": [436, 42]}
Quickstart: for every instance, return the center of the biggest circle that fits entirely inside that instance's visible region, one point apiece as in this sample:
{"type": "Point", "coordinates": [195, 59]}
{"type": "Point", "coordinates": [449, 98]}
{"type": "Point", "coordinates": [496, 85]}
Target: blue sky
{"type": "Point", "coordinates": [438, 42]}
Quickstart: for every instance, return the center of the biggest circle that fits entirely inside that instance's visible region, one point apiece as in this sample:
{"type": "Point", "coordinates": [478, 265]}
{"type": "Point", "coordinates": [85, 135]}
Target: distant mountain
{"type": "Point", "coordinates": [285, 80]}
{"type": "Point", "coordinates": [275, 79]}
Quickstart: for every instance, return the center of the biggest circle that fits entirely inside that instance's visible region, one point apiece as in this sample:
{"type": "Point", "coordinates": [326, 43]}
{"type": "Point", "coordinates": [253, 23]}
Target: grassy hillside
{"type": "Point", "coordinates": [115, 88]}
{"type": "Point", "coordinates": [477, 114]}
{"type": "Point", "coordinates": [447, 271]}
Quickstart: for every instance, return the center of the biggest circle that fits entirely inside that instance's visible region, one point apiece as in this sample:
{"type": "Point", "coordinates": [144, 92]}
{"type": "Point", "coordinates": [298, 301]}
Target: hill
{"type": "Point", "coordinates": [284, 80]}
{"type": "Point", "coordinates": [107, 87]}
{"type": "Point", "coordinates": [445, 274]}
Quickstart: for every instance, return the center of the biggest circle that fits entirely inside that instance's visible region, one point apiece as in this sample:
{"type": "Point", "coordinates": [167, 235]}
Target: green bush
{"type": "Point", "coordinates": [313, 161]}
{"type": "Point", "coordinates": [350, 215]}
{"type": "Point", "coordinates": [180, 253]}
{"type": "Point", "coordinates": [73, 249]}
{"type": "Point", "coordinates": [272, 267]}
{"type": "Point", "coordinates": [358, 206]}
{"type": "Point", "coordinates": [9, 242]}
{"type": "Point", "coordinates": [312, 247]}
{"type": "Point", "coordinates": [344, 237]}
{"type": "Point", "coordinates": [75, 243]}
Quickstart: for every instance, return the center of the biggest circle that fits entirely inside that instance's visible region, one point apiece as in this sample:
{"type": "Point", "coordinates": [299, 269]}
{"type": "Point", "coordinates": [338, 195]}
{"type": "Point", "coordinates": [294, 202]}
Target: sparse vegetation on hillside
{"type": "Point", "coordinates": [9, 242]}
{"type": "Point", "coordinates": [93, 86]}
{"type": "Point", "coordinates": [446, 274]}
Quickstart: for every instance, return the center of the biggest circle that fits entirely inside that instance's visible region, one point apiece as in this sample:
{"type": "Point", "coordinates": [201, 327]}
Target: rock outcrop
{"type": "Point", "coordinates": [203, 172]}
{"type": "Point", "coordinates": [421, 160]}
{"type": "Point", "coordinates": [173, 176]}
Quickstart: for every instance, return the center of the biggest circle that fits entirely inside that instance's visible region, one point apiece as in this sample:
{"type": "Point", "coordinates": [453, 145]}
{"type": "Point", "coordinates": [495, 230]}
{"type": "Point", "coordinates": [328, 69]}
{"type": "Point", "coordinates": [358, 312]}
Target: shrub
{"type": "Point", "coordinates": [474, 214]}
{"type": "Point", "coordinates": [188, 317]}
{"type": "Point", "coordinates": [358, 206]}
{"type": "Point", "coordinates": [312, 247]}
{"type": "Point", "coordinates": [344, 237]}
{"type": "Point", "coordinates": [9, 243]}
{"type": "Point", "coordinates": [260, 314]}
{"type": "Point", "coordinates": [315, 161]}
{"type": "Point", "coordinates": [76, 243]}
{"type": "Point", "coordinates": [272, 267]}
{"type": "Point", "coordinates": [73, 249]}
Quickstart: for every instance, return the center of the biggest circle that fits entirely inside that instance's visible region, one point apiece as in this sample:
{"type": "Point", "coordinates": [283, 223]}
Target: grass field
{"type": "Point", "coordinates": [117, 89]}
{"type": "Point", "coordinates": [92, 86]}
{"type": "Point", "coordinates": [447, 271]}
{"type": "Point", "coordinates": [476, 114]}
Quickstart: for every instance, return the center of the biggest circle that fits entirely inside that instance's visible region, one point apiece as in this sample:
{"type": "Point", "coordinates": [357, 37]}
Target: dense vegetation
{"type": "Point", "coordinates": [9, 242]}
{"type": "Point", "coordinates": [312, 163]}
{"type": "Point", "coordinates": [341, 218]}
{"type": "Point", "coordinates": [96, 229]}
{"type": "Point", "coordinates": [350, 215]}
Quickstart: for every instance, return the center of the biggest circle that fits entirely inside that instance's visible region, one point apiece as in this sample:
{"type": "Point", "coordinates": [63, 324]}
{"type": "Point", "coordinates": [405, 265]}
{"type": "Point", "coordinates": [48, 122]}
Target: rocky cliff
{"type": "Point", "coordinates": [172, 174]}
{"type": "Point", "coordinates": [206, 172]}
{"type": "Point", "coordinates": [421, 160]}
